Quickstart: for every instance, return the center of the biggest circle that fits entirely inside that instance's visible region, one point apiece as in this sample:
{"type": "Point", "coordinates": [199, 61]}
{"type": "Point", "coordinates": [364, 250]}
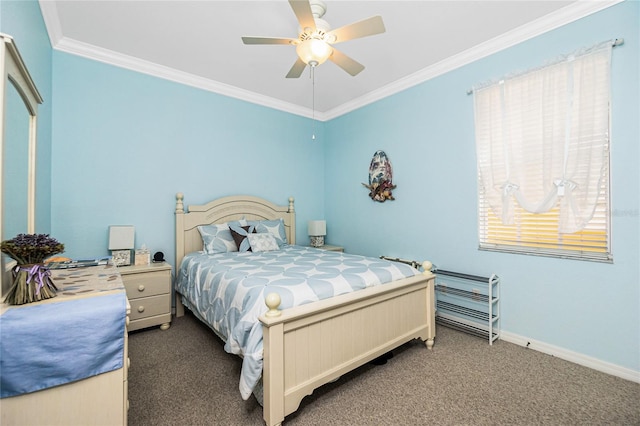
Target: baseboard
{"type": "Point", "coordinates": [575, 357]}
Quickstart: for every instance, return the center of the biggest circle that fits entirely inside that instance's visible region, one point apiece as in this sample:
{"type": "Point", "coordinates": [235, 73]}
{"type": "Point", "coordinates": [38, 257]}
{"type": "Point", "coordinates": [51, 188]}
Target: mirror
{"type": "Point", "coordinates": [20, 99]}
{"type": "Point", "coordinates": [15, 165]}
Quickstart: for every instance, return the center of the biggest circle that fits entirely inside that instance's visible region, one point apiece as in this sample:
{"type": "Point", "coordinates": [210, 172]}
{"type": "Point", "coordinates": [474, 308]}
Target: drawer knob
{"type": "Point", "coordinates": [140, 308]}
{"type": "Point", "coordinates": [141, 287]}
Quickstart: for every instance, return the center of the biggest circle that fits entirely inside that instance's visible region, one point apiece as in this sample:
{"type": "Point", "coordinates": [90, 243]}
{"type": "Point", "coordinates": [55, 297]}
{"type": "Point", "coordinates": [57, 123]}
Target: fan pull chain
{"type": "Point", "coordinates": [313, 103]}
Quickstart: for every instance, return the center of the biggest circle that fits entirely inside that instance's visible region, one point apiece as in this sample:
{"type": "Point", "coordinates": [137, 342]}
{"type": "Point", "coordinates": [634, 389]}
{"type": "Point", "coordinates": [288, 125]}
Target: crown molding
{"type": "Point", "coordinates": [566, 15]}
{"type": "Point", "coordinates": [110, 57]}
{"type": "Point", "coordinates": [85, 50]}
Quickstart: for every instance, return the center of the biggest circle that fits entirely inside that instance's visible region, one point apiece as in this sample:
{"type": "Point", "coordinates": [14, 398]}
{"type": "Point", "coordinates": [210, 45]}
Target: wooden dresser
{"type": "Point", "coordinates": [100, 399]}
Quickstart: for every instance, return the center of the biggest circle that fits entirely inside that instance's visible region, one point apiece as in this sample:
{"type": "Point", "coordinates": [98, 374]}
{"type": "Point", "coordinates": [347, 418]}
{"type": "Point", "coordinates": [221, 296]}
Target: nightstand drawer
{"type": "Point", "coordinates": [149, 306]}
{"type": "Point", "coordinates": [147, 284]}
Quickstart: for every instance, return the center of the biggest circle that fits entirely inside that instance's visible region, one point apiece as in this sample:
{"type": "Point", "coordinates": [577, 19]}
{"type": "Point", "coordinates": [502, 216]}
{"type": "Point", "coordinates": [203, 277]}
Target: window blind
{"type": "Point", "coordinates": [538, 234]}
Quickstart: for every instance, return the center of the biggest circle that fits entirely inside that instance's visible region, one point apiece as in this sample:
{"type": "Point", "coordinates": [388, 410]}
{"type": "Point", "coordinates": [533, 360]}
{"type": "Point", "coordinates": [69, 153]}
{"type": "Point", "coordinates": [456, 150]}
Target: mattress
{"type": "Point", "coordinates": [227, 290]}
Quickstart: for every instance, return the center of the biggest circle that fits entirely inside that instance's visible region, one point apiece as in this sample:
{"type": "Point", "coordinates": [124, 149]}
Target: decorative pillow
{"type": "Point", "coordinates": [262, 242]}
{"type": "Point", "coordinates": [217, 238]}
{"type": "Point", "coordinates": [239, 235]}
{"type": "Point", "coordinates": [275, 228]}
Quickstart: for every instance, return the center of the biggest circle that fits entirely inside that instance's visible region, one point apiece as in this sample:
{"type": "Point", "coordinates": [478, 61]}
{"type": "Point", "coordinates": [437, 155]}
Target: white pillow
{"type": "Point", "coordinates": [262, 242]}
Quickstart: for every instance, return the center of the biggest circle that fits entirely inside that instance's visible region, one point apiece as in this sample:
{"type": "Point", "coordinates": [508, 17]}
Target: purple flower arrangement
{"type": "Point", "coordinates": [31, 279]}
{"type": "Point", "coordinates": [31, 248]}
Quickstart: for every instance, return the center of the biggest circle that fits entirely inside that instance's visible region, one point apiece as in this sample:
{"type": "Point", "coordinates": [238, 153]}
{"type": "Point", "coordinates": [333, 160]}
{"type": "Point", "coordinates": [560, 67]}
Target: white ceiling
{"type": "Point", "coordinates": [199, 43]}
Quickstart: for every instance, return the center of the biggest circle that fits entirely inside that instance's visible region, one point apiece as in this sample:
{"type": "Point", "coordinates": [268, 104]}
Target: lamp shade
{"type": "Point", "coordinates": [121, 237]}
{"type": "Point", "coordinates": [317, 228]}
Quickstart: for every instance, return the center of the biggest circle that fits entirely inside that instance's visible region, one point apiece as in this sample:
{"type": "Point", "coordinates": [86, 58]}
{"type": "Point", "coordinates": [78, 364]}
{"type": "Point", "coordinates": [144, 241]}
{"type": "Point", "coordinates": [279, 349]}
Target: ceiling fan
{"type": "Point", "coordinates": [314, 44]}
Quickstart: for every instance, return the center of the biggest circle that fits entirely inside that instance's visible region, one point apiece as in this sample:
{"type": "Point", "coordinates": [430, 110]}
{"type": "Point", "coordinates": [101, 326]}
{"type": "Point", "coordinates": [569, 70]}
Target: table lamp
{"type": "Point", "coordinates": [121, 242]}
{"type": "Point", "coordinates": [317, 229]}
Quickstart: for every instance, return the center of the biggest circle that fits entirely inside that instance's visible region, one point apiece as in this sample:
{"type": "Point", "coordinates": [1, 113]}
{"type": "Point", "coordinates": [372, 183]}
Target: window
{"type": "Point", "coordinates": [542, 142]}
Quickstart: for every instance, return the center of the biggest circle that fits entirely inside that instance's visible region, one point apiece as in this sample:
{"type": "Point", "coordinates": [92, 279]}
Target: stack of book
{"type": "Point", "coordinates": [79, 263]}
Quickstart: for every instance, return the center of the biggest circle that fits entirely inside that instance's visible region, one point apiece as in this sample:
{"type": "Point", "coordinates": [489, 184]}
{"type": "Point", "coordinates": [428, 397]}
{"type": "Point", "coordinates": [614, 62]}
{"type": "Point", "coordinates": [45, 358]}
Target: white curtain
{"type": "Point", "coordinates": [541, 138]}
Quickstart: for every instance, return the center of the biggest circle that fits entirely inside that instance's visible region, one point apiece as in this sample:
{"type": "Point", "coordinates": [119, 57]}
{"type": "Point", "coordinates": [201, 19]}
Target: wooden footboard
{"type": "Point", "coordinates": [310, 345]}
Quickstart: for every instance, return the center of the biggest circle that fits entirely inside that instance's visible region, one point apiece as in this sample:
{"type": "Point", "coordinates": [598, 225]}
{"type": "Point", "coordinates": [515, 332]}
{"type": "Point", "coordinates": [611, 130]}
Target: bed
{"type": "Point", "coordinates": [306, 346]}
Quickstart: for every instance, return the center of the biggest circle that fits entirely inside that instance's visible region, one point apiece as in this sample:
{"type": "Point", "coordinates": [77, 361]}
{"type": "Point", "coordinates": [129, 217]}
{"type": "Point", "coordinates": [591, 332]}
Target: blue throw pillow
{"type": "Point", "coordinates": [275, 228]}
{"type": "Point", "coordinates": [217, 238]}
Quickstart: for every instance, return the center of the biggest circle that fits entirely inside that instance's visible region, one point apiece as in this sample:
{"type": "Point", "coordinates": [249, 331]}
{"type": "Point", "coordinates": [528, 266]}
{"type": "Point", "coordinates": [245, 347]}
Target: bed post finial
{"type": "Point", "coordinates": [179, 202]}
{"type": "Point", "coordinates": [291, 209]}
{"type": "Point", "coordinates": [272, 301]}
{"type": "Point", "coordinates": [426, 267]}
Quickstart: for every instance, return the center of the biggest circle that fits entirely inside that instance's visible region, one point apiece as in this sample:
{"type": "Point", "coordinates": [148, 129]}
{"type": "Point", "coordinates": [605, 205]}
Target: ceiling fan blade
{"type": "Point", "coordinates": [364, 28]}
{"type": "Point", "coordinates": [296, 69]}
{"type": "Point", "coordinates": [266, 40]}
{"type": "Point", "coordinates": [351, 66]}
{"type": "Point", "coordinates": [302, 9]}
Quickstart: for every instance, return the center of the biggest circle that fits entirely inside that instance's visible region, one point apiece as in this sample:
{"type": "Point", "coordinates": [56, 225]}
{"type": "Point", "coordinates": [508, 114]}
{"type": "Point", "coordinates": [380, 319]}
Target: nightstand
{"type": "Point", "coordinates": [331, 248]}
{"type": "Point", "coordinates": [149, 293]}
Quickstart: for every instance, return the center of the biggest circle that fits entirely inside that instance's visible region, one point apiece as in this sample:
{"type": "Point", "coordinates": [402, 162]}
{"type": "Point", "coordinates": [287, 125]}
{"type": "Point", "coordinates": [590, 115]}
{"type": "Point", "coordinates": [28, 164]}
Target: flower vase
{"type": "Point", "coordinates": [31, 283]}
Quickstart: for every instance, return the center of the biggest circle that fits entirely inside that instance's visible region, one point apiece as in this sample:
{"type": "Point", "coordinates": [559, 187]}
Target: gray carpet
{"type": "Point", "coordinates": [183, 376]}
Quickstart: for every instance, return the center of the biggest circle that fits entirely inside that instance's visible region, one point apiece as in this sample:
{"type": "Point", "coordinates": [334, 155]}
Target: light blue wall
{"type": "Point", "coordinates": [126, 143]}
{"type": "Point", "coordinates": [428, 133]}
{"type": "Point", "coordinates": [23, 21]}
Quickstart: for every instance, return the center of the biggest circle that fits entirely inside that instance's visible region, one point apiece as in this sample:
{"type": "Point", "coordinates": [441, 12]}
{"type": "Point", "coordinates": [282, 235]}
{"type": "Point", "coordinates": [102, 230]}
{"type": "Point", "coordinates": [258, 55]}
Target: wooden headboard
{"type": "Point", "coordinates": [223, 210]}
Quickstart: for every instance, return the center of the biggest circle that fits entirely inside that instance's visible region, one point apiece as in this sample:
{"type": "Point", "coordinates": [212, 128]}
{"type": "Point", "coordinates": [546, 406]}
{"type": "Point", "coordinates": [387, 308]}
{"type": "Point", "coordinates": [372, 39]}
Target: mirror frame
{"type": "Point", "coordinates": [14, 71]}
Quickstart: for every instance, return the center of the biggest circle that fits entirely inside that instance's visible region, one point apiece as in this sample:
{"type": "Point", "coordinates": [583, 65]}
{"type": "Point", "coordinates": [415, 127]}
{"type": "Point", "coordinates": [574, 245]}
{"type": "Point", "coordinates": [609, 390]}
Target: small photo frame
{"type": "Point", "coordinates": [121, 257]}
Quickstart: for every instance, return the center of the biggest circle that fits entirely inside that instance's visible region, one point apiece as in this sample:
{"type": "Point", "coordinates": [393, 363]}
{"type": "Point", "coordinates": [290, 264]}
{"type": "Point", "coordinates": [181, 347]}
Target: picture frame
{"type": "Point", "coordinates": [121, 257]}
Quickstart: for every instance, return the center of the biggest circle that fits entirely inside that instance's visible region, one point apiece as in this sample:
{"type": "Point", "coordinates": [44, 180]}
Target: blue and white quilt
{"type": "Point", "coordinates": [227, 290]}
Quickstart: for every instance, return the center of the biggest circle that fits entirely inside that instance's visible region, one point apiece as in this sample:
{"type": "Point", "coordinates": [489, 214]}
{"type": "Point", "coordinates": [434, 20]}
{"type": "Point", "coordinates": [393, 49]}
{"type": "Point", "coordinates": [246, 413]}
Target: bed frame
{"type": "Point", "coordinates": [308, 346]}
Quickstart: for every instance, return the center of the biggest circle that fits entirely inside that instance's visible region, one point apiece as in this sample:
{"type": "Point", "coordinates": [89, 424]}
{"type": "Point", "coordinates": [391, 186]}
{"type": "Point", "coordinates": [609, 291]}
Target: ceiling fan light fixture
{"type": "Point", "coordinates": [313, 51]}
{"type": "Point", "coordinates": [314, 44]}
